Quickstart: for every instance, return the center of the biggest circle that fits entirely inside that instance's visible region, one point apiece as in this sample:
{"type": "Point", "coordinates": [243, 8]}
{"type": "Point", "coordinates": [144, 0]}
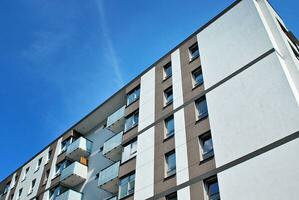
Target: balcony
{"type": "Point", "coordinates": [108, 179]}
{"type": "Point", "coordinates": [115, 122]}
{"type": "Point", "coordinates": [112, 147]}
{"type": "Point", "coordinates": [79, 148]}
{"type": "Point", "coordinates": [70, 195]}
{"type": "Point", "coordinates": [74, 174]}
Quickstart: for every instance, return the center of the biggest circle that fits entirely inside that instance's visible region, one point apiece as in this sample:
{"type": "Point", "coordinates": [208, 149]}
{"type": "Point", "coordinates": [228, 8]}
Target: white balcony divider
{"type": "Point", "coordinates": [116, 116]}
{"type": "Point", "coordinates": [70, 195]}
{"type": "Point", "coordinates": [81, 143]}
{"type": "Point", "coordinates": [75, 168]}
{"type": "Point", "coordinates": [109, 173]}
{"type": "Point", "coordinates": [113, 142]}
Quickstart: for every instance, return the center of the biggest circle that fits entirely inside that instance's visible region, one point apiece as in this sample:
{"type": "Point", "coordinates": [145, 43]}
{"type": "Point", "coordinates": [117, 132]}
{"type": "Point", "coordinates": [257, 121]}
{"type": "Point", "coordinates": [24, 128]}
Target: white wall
{"type": "Point", "coordinates": [144, 178]}
{"type": "Point", "coordinates": [182, 168]}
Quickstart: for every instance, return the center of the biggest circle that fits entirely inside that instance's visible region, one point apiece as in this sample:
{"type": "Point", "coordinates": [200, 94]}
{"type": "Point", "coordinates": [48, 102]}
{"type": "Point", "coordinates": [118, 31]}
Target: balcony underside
{"type": "Point", "coordinates": [78, 153]}
{"type": "Point", "coordinates": [111, 186]}
{"type": "Point", "coordinates": [72, 180]}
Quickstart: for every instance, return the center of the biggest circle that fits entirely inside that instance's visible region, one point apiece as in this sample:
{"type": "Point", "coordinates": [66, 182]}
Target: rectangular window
{"type": "Point", "coordinates": [65, 144]}
{"type": "Point", "coordinates": [201, 108]}
{"type": "Point", "coordinates": [32, 186]}
{"type": "Point", "coordinates": [131, 121]}
{"type": "Point", "coordinates": [7, 186]}
{"type": "Point", "coordinates": [126, 186]}
{"type": "Point", "coordinates": [20, 193]}
{"type": "Point", "coordinates": [168, 96]}
{"type": "Point", "coordinates": [212, 189]}
{"type": "Point", "coordinates": [47, 174]}
{"type": "Point", "coordinates": [25, 173]}
{"type": "Point", "coordinates": [167, 70]}
{"type": "Point", "coordinates": [38, 164]}
{"type": "Point", "coordinates": [170, 164]}
{"type": "Point", "coordinates": [169, 126]}
{"type": "Point", "coordinates": [172, 196]}
{"type": "Point", "coordinates": [56, 191]}
{"type": "Point", "coordinates": [49, 155]}
{"type": "Point", "coordinates": [197, 77]}
{"type": "Point", "coordinates": [193, 52]}
{"type": "Point", "coordinates": [129, 151]}
{"type": "Point", "coordinates": [206, 146]}
{"type": "Point", "coordinates": [133, 95]}
{"type": "Point", "coordinates": [60, 166]}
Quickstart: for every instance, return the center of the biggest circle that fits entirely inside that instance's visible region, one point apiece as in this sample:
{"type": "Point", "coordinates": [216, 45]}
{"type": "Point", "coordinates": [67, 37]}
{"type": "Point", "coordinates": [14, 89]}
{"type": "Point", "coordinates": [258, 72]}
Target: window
{"type": "Point", "coordinates": [206, 145]}
{"type": "Point", "coordinates": [20, 193]}
{"type": "Point", "coordinates": [7, 186]}
{"type": "Point", "coordinates": [133, 95]}
{"type": "Point", "coordinates": [201, 108]}
{"type": "Point", "coordinates": [65, 144]}
{"type": "Point", "coordinates": [32, 186]}
{"type": "Point", "coordinates": [39, 162]}
{"type": "Point", "coordinates": [169, 126]}
{"type": "Point", "coordinates": [197, 77]}
{"type": "Point", "coordinates": [25, 173]}
{"type": "Point", "coordinates": [172, 196]}
{"type": "Point", "coordinates": [168, 96]}
{"type": "Point", "coordinates": [54, 192]}
{"type": "Point", "coordinates": [129, 151]}
{"type": "Point", "coordinates": [212, 189]}
{"type": "Point", "coordinates": [193, 52]}
{"type": "Point", "coordinates": [126, 186]}
{"type": "Point", "coordinates": [131, 121]}
{"type": "Point", "coordinates": [47, 174]}
{"type": "Point", "coordinates": [49, 155]}
{"type": "Point", "coordinates": [167, 70]}
{"type": "Point", "coordinates": [170, 164]}
{"type": "Point", "coordinates": [60, 166]}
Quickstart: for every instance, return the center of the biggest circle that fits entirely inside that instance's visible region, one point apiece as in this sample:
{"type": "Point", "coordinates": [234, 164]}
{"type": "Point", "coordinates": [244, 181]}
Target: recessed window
{"type": "Point", "coordinates": [168, 96]}
{"type": "Point", "coordinates": [25, 173]}
{"type": "Point", "coordinates": [131, 121]}
{"type": "Point", "coordinates": [193, 52]}
{"type": "Point", "coordinates": [201, 108]}
{"type": "Point", "coordinates": [20, 193]}
{"type": "Point", "coordinates": [169, 126]}
{"type": "Point", "coordinates": [49, 155]}
{"type": "Point", "coordinates": [129, 151]}
{"type": "Point", "coordinates": [56, 191]}
{"type": "Point", "coordinates": [126, 186]}
{"type": "Point", "coordinates": [172, 196]}
{"type": "Point", "coordinates": [7, 186]}
{"type": "Point", "coordinates": [38, 164]}
{"type": "Point", "coordinates": [47, 174]}
{"type": "Point", "coordinates": [206, 147]}
{"type": "Point", "coordinates": [32, 186]}
{"type": "Point", "coordinates": [167, 70]}
{"type": "Point", "coordinates": [170, 164]}
{"type": "Point", "coordinates": [133, 95]}
{"type": "Point", "coordinates": [60, 166]}
{"type": "Point", "coordinates": [212, 189]}
{"type": "Point", "coordinates": [65, 144]}
{"type": "Point", "coordinates": [197, 77]}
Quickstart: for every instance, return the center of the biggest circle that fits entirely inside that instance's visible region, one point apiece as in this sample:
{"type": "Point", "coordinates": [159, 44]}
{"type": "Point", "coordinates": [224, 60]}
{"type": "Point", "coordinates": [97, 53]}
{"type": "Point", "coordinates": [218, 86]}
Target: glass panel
{"type": "Point", "coordinates": [171, 165]}
{"type": "Point", "coordinates": [194, 52]}
{"type": "Point", "coordinates": [109, 173]}
{"type": "Point", "coordinates": [198, 78]}
{"type": "Point", "coordinates": [131, 121]}
{"type": "Point", "coordinates": [129, 151]}
{"type": "Point", "coordinates": [126, 186]}
{"type": "Point", "coordinates": [132, 96]}
{"type": "Point", "coordinates": [214, 191]}
{"type": "Point", "coordinates": [202, 108]}
{"type": "Point", "coordinates": [169, 126]}
{"type": "Point", "coordinates": [168, 96]}
{"type": "Point", "coordinates": [167, 70]}
{"type": "Point", "coordinates": [113, 142]}
{"type": "Point", "coordinates": [207, 147]}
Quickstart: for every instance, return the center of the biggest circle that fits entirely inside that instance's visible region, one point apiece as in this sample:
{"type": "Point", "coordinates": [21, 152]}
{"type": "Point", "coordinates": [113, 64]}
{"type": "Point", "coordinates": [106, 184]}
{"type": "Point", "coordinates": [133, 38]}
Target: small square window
{"type": "Point", "coordinates": [193, 52]}
{"type": "Point", "coordinates": [170, 164]}
{"type": "Point", "coordinates": [206, 146]}
{"type": "Point", "coordinates": [201, 108]}
{"type": "Point", "coordinates": [212, 189]}
{"type": "Point", "coordinates": [169, 126]}
{"type": "Point", "coordinates": [172, 196]}
{"type": "Point", "coordinates": [168, 96]}
{"type": "Point", "coordinates": [197, 77]}
{"type": "Point", "coordinates": [167, 70]}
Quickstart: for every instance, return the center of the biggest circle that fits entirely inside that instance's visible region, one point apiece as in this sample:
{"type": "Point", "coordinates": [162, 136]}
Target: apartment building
{"type": "Point", "coordinates": [215, 118]}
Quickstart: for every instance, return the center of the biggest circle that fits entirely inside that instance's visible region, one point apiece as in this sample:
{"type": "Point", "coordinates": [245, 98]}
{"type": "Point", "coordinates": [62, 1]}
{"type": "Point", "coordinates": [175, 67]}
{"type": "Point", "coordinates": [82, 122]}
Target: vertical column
{"type": "Point", "coordinates": [181, 153]}
{"type": "Point", "coordinates": [144, 177]}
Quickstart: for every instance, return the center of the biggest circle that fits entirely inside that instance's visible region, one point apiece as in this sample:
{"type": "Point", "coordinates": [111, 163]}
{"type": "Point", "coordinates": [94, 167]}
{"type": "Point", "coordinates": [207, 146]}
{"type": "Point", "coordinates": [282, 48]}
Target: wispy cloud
{"type": "Point", "coordinates": [111, 54]}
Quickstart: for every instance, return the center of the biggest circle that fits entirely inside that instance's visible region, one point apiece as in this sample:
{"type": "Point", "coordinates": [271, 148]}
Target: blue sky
{"type": "Point", "coordinates": [60, 59]}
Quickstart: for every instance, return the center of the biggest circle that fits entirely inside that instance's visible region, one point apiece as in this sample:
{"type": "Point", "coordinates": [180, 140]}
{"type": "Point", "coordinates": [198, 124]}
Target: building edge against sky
{"type": "Point", "coordinates": [216, 117]}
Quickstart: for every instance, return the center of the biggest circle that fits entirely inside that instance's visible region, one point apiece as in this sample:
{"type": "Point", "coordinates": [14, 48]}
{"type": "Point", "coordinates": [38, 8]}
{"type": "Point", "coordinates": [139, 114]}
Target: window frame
{"type": "Point", "coordinates": [207, 183]}
{"type": "Point", "coordinates": [168, 133]}
{"type": "Point", "coordinates": [130, 187]}
{"type": "Point", "coordinates": [169, 172]}
{"type": "Point", "coordinates": [200, 116]}
{"type": "Point", "coordinates": [172, 196]}
{"type": "Point", "coordinates": [132, 150]}
{"type": "Point", "coordinates": [136, 97]}
{"type": "Point", "coordinates": [194, 82]}
{"type": "Point", "coordinates": [202, 139]}
{"type": "Point", "coordinates": [32, 185]}
{"type": "Point", "coordinates": [136, 119]}
{"type": "Point", "coordinates": [165, 67]}
{"type": "Point", "coordinates": [191, 52]}
{"type": "Point", "coordinates": [166, 95]}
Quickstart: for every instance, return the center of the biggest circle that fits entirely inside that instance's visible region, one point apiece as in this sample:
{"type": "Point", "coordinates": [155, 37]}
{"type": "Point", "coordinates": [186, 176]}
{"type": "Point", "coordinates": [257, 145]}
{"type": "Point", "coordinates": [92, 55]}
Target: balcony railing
{"type": "Point", "coordinates": [108, 179]}
{"type": "Point", "coordinates": [112, 147]}
{"type": "Point", "coordinates": [79, 148]}
{"type": "Point", "coordinates": [74, 174]}
{"type": "Point", "coordinates": [115, 121]}
{"type": "Point", "coordinates": [70, 195]}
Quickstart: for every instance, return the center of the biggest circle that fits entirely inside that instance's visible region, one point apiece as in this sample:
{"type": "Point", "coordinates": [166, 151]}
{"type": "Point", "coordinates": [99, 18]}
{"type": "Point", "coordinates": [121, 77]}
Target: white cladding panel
{"type": "Point", "coordinates": [273, 175]}
{"type": "Point", "coordinates": [144, 179]}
